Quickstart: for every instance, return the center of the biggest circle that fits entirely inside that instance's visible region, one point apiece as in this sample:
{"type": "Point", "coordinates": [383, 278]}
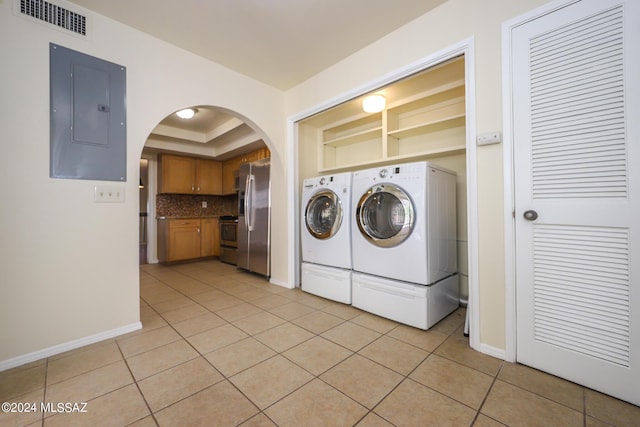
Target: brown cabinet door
{"type": "Point", "coordinates": [210, 240]}
{"type": "Point", "coordinates": [252, 156]}
{"type": "Point", "coordinates": [177, 174]}
{"type": "Point", "coordinates": [184, 239]}
{"type": "Point", "coordinates": [208, 177]}
{"type": "Point", "coordinates": [229, 168]}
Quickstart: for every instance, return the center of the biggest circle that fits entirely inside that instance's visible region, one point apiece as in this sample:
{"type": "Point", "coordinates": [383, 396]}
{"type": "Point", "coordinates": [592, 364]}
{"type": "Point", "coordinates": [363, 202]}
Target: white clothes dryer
{"type": "Point", "coordinates": [404, 222]}
{"type": "Point", "coordinates": [326, 236]}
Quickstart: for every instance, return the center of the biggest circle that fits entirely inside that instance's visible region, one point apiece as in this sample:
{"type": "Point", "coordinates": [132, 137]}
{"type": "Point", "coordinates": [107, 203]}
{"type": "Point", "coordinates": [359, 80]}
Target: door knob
{"type": "Point", "coordinates": [530, 215]}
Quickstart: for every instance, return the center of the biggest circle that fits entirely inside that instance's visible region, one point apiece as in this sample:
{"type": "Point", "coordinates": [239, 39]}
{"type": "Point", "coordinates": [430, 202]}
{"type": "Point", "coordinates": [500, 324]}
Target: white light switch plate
{"type": "Point", "coordinates": [108, 194]}
{"type": "Point", "coordinates": [489, 138]}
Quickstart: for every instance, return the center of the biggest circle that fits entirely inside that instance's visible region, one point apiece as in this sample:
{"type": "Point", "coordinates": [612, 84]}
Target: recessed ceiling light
{"type": "Point", "coordinates": [373, 103]}
{"type": "Point", "coordinates": [187, 113]}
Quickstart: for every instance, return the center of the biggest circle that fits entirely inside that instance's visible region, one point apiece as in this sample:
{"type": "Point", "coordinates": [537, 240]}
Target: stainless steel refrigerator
{"type": "Point", "coordinates": [254, 211]}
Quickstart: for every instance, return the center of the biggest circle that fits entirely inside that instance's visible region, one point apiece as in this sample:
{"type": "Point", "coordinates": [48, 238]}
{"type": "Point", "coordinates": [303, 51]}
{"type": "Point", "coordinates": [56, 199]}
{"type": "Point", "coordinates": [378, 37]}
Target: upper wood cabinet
{"type": "Point", "coordinates": [189, 175]}
{"type": "Point", "coordinates": [208, 177]}
{"type": "Point", "coordinates": [231, 166]}
{"type": "Point", "coordinates": [229, 171]}
{"type": "Point", "coordinates": [176, 174]}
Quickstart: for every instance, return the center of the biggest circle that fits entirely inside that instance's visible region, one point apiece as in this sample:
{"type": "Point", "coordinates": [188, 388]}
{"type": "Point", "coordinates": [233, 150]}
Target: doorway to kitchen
{"type": "Point", "coordinates": [189, 169]}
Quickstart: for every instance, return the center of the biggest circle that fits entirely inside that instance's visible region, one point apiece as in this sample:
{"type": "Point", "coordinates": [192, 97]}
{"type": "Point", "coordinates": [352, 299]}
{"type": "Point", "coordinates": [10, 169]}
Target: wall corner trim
{"type": "Point", "coordinates": [281, 283]}
{"type": "Point", "coordinates": [493, 351]}
{"type": "Point", "coordinates": [70, 345]}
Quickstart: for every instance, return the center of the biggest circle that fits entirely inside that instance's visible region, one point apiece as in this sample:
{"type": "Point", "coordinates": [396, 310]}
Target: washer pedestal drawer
{"type": "Point", "coordinates": [414, 305]}
{"type": "Point", "coordinates": [327, 282]}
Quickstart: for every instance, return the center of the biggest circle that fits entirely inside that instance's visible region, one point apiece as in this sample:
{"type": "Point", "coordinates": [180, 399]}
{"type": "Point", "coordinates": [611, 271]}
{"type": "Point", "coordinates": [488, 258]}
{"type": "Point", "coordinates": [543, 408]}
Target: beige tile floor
{"type": "Point", "coordinates": [222, 348]}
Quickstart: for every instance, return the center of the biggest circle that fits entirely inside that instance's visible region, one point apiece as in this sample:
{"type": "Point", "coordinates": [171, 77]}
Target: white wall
{"type": "Point", "coordinates": [445, 26]}
{"type": "Point", "coordinates": [69, 266]}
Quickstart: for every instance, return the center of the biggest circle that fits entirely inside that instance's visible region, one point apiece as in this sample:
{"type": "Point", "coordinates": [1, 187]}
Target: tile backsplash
{"type": "Point", "coordinates": [172, 205]}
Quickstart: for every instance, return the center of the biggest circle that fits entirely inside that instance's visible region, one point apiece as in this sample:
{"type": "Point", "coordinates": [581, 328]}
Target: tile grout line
{"type": "Point", "coordinates": [135, 381]}
{"type": "Point", "coordinates": [486, 396]}
{"type": "Point", "coordinates": [407, 377]}
{"type": "Point", "coordinates": [44, 395]}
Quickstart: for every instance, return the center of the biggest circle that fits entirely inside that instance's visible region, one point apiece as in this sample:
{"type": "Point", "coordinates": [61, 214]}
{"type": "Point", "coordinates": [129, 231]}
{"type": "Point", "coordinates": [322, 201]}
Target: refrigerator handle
{"type": "Point", "coordinates": [246, 202]}
{"type": "Point", "coordinates": [249, 201]}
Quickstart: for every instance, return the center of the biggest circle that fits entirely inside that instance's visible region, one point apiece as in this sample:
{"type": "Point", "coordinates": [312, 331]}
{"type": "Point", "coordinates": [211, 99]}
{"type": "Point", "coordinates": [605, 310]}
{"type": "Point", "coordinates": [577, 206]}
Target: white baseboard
{"type": "Point", "coordinates": [493, 351]}
{"type": "Point", "coordinates": [61, 348]}
{"type": "Point", "coordinates": [280, 283]}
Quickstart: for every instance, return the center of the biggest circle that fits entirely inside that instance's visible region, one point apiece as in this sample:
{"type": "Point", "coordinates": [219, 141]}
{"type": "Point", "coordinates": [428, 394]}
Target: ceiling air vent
{"type": "Point", "coordinates": [54, 14]}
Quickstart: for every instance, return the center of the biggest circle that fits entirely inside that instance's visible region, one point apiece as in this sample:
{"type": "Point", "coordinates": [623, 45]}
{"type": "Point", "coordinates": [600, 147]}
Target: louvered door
{"type": "Point", "coordinates": [577, 216]}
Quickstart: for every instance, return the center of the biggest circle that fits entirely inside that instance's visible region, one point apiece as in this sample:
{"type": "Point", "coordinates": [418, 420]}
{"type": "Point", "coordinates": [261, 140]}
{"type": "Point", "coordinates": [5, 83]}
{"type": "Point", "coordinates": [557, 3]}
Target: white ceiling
{"type": "Point", "coordinates": [279, 42]}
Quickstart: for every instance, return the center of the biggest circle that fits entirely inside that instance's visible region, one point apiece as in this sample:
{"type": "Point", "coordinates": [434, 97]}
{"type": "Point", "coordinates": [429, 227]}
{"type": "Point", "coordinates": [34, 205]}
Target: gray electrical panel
{"type": "Point", "coordinates": [88, 117]}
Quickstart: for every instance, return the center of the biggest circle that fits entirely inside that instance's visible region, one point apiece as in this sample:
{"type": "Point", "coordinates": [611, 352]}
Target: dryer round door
{"type": "Point", "coordinates": [323, 214]}
{"type": "Point", "coordinates": [385, 215]}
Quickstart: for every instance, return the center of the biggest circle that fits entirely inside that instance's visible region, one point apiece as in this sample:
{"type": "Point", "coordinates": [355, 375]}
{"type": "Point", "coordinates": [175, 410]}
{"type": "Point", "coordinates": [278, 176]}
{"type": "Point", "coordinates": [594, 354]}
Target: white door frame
{"type": "Point", "coordinates": [466, 47]}
{"type": "Point", "coordinates": [509, 175]}
{"type": "Point", "coordinates": [152, 184]}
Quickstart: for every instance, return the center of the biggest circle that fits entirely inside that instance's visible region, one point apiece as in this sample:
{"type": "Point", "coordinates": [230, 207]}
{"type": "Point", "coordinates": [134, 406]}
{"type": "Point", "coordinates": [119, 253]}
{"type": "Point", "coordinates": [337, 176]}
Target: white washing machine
{"type": "Point", "coordinates": [403, 239]}
{"type": "Point", "coordinates": [326, 236]}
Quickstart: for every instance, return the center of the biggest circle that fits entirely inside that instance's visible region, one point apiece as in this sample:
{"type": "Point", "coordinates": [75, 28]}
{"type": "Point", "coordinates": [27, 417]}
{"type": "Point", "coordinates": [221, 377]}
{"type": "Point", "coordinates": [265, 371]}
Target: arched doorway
{"type": "Point", "coordinates": [212, 133]}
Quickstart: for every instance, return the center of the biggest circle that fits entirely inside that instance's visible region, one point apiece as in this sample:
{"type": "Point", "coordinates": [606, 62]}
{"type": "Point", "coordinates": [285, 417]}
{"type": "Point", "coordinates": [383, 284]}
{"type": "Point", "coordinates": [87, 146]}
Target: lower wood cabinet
{"type": "Point", "coordinates": [184, 239]}
{"type": "Point", "coordinates": [210, 237]}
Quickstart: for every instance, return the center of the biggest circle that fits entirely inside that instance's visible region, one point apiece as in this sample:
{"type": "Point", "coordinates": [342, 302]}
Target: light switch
{"type": "Point", "coordinates": [489, 138]}
{"type": "Point", "coordinates": [108, 194]}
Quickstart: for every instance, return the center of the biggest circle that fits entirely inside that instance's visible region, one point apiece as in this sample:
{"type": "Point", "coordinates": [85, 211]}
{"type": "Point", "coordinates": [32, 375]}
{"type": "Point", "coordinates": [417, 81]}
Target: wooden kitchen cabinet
{"type": "Point", "coordinates": [210, 239]}
{"type": "Point", "coordinates": [185, 239]}
{"type": "Point", "coordinates": [176, 174]}
{"type": "Point", "coordinates": [229, 170]}
{"type": "Point", "coordinates": [189, 175]}
{"type": "Point", "coordinates": [180, 241]}
{"type": "Point", "coordinates": [252, 156]}
{"type": "Point", "coordinates": [208, 177]}
{"type": "Point", "coordinates": [231, 166]}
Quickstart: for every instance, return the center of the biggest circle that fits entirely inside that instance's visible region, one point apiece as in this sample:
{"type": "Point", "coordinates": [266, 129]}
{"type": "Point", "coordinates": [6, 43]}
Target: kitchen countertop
{"type": "Point", "coordinates": [188, 217]}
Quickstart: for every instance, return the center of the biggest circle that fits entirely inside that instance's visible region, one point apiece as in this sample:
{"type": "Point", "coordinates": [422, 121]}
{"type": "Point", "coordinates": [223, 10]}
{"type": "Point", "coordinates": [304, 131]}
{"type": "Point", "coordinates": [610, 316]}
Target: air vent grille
{"type": "Point", "coordinates": [582, 290]}
{"type": "Point", "coordinates": [578, 134]}
{"type": "Point", "coordinates": [54, 14]}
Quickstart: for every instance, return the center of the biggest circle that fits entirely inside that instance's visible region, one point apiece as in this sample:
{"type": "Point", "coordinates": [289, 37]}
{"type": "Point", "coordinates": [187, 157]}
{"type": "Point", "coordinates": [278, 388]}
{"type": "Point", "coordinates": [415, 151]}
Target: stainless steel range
{"type": "Point", "coordinates": [229, 239]}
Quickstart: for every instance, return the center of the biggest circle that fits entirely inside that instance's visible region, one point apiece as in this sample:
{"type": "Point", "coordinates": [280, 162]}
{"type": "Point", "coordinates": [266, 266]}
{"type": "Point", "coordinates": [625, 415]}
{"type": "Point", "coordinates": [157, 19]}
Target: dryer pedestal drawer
{"type": "Point", "coordinates": [327, 282]}
{"type": "Point", "coordinates": [414, 305]}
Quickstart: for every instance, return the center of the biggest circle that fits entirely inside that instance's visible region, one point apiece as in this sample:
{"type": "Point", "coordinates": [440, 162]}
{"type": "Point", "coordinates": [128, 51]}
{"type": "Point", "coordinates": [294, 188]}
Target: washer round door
{"type": "Point", "coordinates": [385, 215]}
{"type": "Point", "coordinates": [323, 214]}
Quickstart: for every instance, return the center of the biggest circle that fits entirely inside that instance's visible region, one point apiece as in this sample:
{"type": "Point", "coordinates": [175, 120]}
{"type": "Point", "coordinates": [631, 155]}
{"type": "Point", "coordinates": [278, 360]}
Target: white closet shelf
{"type": "Point", "coordinates": [454, 149]}
{"type": "Point", "coordinates": [424, 117]}
{"type": "Point", "coordinates": [354, 138]}
{"type": "Point", "coordinates": [421, 128]}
